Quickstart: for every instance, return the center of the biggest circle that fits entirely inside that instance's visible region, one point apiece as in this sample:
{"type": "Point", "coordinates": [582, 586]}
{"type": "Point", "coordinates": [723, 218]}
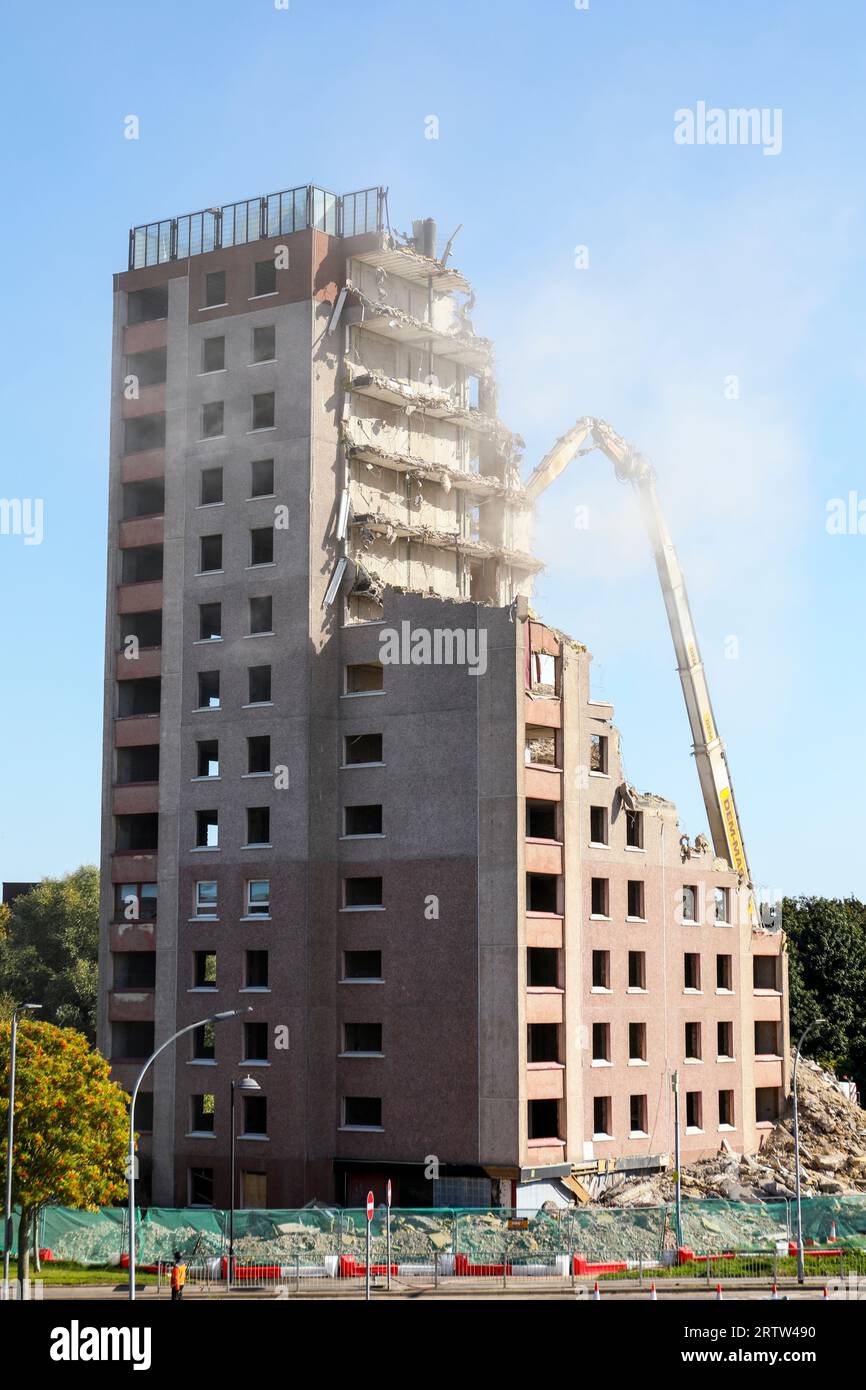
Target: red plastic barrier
{"type": "Point", "coordinates": [584, 1266]}
{"type": "Point", "coordinates": [350, 1268]}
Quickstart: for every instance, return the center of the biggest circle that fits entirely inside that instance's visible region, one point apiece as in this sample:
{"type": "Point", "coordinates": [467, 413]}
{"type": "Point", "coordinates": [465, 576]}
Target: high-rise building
{"type": "Point", "coordinates": [352, 785]}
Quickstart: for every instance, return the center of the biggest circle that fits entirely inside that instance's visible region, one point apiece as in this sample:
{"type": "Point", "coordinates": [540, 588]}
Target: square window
{"type": "Point", "coordinates": [259, 753]}
{"type": "Point", "coordinates": [362, 892]}
{"type": "Point", "coordinates": [205, 970]}
{"type": "Point", "coordinates": [207, 829]}
{"type": "Point", "coordinates": [209, 621]}
{"type": "Point", "coordinates": [258, 898]}
{"type": "Point", "coordinates": [264, 344]}
{"type": "Point", "coordinates": [256, 971]}
{"type": "Point", "coordinates": [259, 685]}
{"type": "Point", "coordinates": [264, 410]}
{"type": "Point", "coordinates": [362, 965]}
{"type": "Point", "coordinates": [210, 554]}
{"type": "Point", "coordinates": [362, 1037]}
{"type": "Point", "coordinates": [262, 545]}
{"type": "Point", "coordinates": [598, 825]}
{"type": "Point", "coordinates": [213, 354]}
{"type": "Point", "coordinates": [362, 1112]}
{"type": "Point", "coordinates": [636, 898]}
{"type": "Point", "coordinates": [690, 903]}
{"type": "Point", "coordinates": [362, 677]}
{"type": "Point", "coordinates": [601, 969]}
{"type": "Point", "coordinates": [262, 478]}
{"type": "Point", "coordinates": [258, 825]}
{"type": "Point", "coordinates": [203, 1114]}
{"type": "Point", "coordinates": [363, 820]}
{"type": "Point", "coordinates": [362, 748]}
{"type": "Point", "coordinates": [206, 898]}
{"type": "Point", "coordinates": [265, 277]}
{"type": "Point", "coordinates": [208, 758]}
{"type": "Point", "coordinates": [208, 690]}
{"type": "Point", "coordinates": [214, 288]}
{"type": "Point", "coordinates": [211, 489]}
{"type": "Point", "coordinates": [261, 615]}
{"type": "Point", "coordinates": [212, 417]}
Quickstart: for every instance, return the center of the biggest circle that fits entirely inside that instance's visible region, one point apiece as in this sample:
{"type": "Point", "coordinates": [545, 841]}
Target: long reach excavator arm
{"type": "Point", "coordinates": [709, 752]}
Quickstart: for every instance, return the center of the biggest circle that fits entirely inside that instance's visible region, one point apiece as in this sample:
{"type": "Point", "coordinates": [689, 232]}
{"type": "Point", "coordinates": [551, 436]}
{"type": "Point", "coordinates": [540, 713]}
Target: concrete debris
{"type": "Point", "coordinates": [832, 1156]}
{"type": "Point", "coordinates": [468, 342]}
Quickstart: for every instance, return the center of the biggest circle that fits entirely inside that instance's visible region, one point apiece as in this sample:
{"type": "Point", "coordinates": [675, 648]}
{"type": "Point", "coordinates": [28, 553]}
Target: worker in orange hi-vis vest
{"type": "Point", "coordinates": [178, 1277]}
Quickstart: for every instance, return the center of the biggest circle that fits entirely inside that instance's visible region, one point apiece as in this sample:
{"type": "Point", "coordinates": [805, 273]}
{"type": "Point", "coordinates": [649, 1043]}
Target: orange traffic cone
{"type": "Point", "coordinates": [832, 1236]}
{"type": "Point", "coordinates": [595, 1292]}
{"type": "Point", "coordinates": [718, 1293]}
{"type": "Point", "coordinates": [653, 1294]}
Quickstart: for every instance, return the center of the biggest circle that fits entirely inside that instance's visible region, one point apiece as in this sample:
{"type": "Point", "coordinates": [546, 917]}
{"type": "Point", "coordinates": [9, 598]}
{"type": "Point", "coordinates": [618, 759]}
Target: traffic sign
{"type": "Point", "coordinates": [388, 1192]}
{"type": "Point", "coordinates": [369, 1206]}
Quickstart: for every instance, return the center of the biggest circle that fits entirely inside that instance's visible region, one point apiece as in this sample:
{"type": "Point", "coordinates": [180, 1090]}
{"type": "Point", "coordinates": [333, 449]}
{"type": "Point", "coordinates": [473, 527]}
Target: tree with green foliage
{"type": "Point", "coordinates": [48, 949]}
{"type": "Point", "coordinates": [71, 1133]}
{"type": "Point", "coordinates": [826, 940]}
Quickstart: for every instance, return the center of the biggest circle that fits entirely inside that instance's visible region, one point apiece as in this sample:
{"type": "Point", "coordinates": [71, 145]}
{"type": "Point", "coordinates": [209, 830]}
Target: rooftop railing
{"type": "Point", "coordinates": [277, 214]}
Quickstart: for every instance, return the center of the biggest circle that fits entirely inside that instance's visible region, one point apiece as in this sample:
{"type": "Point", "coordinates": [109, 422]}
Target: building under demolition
{"type": "Point", "coordinates": [352, 785]}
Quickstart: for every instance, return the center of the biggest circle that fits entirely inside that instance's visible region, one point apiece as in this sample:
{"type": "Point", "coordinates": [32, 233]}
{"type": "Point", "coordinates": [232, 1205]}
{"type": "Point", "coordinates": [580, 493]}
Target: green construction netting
{"type": "Point", "coordinates": [494, 1236]}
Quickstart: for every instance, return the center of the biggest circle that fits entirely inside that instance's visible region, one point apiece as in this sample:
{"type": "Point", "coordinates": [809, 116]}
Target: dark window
{"type": "Point", "coordinates": [264, 410]}
{"type": "Point", "coordinates": [362, 965]}
{"type": "Point", "coordinates": [363, 748]}
{"type": "Point", "coordinates": [144, 306]}
{"type": "Point", "coordinates": [145, 627]}
{"type": "Point", "coordinates": [543, 1119]}
{"type": "Point", "coordinates": [211, 554]}
{"type": "Point", "coordinates": [204, 1042]}
{"type": "Point", "coordinates": [765, 972]}
{"type": "Point", "coordinates": [255, 1042]}
{"type": "Point", "coordinates": [637, 1114]}
{"type": "Point", "coordinates": [726, 1107]}
{"type": "Point", "coordinates": [600, 890]}
{"type": "Point", "coordinates": [365, 1111]}
{"type": "Point", "coordinates": [693, 1041]}
{"type": "Point", "coordinates": [637, 1042]}
{"type": "Point", "coordinates": [208, 761]}
{"type": "Point", "coordinates": [265, 277]}
{"type": "Point", "coordinates": [362, 1037]}
{"type": "Point", "coordinates": [694, 1109]}
{"type": "Point", "coordinates": [598, 825]}
{"type": "Point", "coordinates": [207, 829]}
{"type": "Point", "coordinates": [262, 478]}
{"type": "Point", "coordinates": [211, 486]}
{"type": "Point", "coordinates": [261, 614]}
{"type": "Point", "coordinates": [144, 1112]}
{"type": "Point", "coordinates": [202, 1114]}
{"type": "Point", "coordinates": [201, 1187]}
{"type": "Point", "coordinates": [134, 970]}
{"type": "Point", "coordinates": [262, 545]}
{"type": "Point", "coordinates": [363, 892]}
{"type": "Point", "coordinates": [264, 344]}
{"type": "Point", "coordinates": [137, 834]}
{"type": "Point", "coordinates": [541, 820]}
{"type": "Point", "coordinates": [131, 1040]}
{"type": "Point", "coordinates": [259, 685]}
{"type": "Point", "coordinates": [213, 420]}
{"type": "Point", "coordinates": [138, 697]}
{"type": "Point", "coordinates": [690, 903]}
{"type": "Point", "coordinates": [635, 898]}
{"type": "Point", "coordinates": [213, 354]}
{"type": "Point", "coordinates": [601, 969]}
{"type": "Point", "coordinates": [214, 288]}
{"type": "Point", "coordinates": [691, 970]}
{"type": "Point", "coordinates": [208, 690]}
{"type": "Point", "coordinates": [363, 820]}
{"type": "Point", "coordinates": [205, 969]}
{"type": "Point", "coordinates": [143, 499]}
{"type": "Point", "coordinates": [142, 564]}
{"type": "Point", "coordinates": [542, 1042]}
{"type": "Point", "coordinates": [135, 902]}
{"type": "Point", "coordinates": [541, 893]}
{"type": "Point", "coordinates": [364, 676]}
{"type": "Point", "coordinates": [255, 1115]}
{"type": "Point", "coordinates": [259, 753]}
{"type": "Point", "coordinates": [601, 1108]}
{"type": "Point", "coordinates": [597, 753]}
{"type": "Point", "coordinates": [634, 829]}
{"type": "Point", "coordinates": [209, 621]}
{"type": "Point", "coordinates": [601, 1042]}
{"type": "Point", "coordinates": [258, 825]}
{"type": "Point", "coordinates": [725, 1039]}
{"type": "Point", "coordinates": [542, 967]}
{"type": "Point", "coordinates": [256, 976]}
{"type": "Point", "coordinates": [138, 764]}
{"type": "Point", "coordinates": [724, 972]}
{"type": "Point", "coordinates": [637, 969]}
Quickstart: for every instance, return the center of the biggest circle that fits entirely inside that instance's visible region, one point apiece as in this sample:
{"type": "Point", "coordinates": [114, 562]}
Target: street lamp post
{"type": "Point", "coordinates": [675, 1087]}
{"type": "Point", "coordinates": [10, 1135]}
{"type": "Point", "coordinates": [801, 1271]}
{"type": "Point", "coordinates": [246, 1085]}
{"type": "Point", "coordinates": [130, 1174]}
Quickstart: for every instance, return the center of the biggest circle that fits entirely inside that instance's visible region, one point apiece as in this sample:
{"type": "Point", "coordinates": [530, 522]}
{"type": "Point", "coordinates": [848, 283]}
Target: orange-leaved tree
{"type": "Point", "coordinates": [70, 1125]}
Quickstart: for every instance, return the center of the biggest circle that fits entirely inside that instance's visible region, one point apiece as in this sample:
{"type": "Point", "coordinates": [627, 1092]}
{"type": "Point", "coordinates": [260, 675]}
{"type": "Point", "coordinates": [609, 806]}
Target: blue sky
{"type": "Point", "coordinates": [555, 131]}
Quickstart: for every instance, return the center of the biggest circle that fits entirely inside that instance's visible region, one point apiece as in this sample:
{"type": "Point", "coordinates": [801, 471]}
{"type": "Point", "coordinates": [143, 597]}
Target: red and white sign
{"type": "Point", "coordinates": [388, 1192]}
{"type": "Point", "coordinates": [369, 1206]}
